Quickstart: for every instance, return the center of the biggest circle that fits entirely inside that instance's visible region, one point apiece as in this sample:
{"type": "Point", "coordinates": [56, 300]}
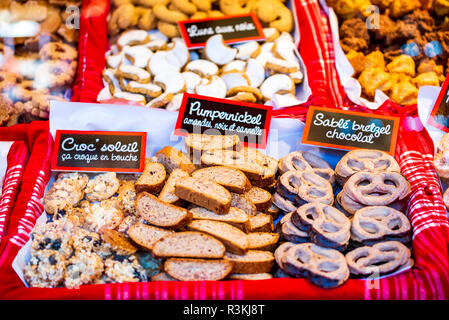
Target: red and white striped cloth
{"type": "Point", "coordinates": [428, 279]}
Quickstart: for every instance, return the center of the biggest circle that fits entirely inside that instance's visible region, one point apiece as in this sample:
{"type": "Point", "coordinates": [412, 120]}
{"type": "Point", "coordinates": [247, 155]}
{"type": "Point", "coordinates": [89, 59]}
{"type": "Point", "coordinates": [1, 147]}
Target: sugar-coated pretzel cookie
{"type": "Point", "coordinates": [381, 258]}
{"type": "Point", "coordinates": [102, 186]}
{"type": "Point", "coordinates": [323, 267]}
{"type": "Point", "coordinates": [364, 159]}
{"type": "Point", "coordinates": [290, 232]}
{"type": "Point", "coordinates": [327, 226]}
{"type": "Point", "coordinates": [379, 223]}
{"type": "Point", "coordinates": [301, 187]}
{"type": "Point", "coordinates": [283, 204]}
{"type": "Point", "coordinates": [280, 251]}
{"type": "Point", "coordinates": [376, 188]}
{"type": "Point", "coordinates": [304, 161]}
{"type": "Point", "coordinates": [58, 51]}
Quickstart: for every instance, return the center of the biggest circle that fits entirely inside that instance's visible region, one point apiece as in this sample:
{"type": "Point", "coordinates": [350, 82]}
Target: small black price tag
{"type": "Point", "coordinates": [234, 29]}
{"type": "Point", "coordinates": [207, 115]}
{"type": "Point", "coordinates": [439, 117]}
{"type": "Point", "coordinates": [350, 130]}
{"type": "Point", "coordinates": [99, 151]}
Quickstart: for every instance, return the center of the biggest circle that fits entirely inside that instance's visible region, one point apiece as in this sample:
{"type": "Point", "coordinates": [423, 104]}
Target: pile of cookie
{"type": "Point", "coordinates": [150, 69]}
{"type": "Point", "coordinates": [39, 68]}
{"type": "Point", "coordinates": [404, 47]}
{"type": "Point", "coordinates": [165, 14]}
{"type": "Point", "coordinates": [441, 164]}
{"type": "Point", "coordinates": [363, 234]}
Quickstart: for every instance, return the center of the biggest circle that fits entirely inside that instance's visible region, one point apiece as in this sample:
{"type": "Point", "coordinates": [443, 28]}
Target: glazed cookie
{"type": "Point", "coordinates": [305, 161]}
{"type": "Point", "coordinates": [364, 159]}
{"type": "Point", "coordinates": [102, 186]}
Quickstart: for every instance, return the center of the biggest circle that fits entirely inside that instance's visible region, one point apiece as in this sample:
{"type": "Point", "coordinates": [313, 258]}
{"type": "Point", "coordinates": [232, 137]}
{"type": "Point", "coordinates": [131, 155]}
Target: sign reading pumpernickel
{"type": "Point", "coordinates": [439, 117]}
{"type": "Point", "coordinates": [350, 130]}
{"type": "Point", "coordinates": [99, 151]}
{"type": "Point", "coordinates": [234, 29]}
{"type": "Point", "coordinates": [207, 115]}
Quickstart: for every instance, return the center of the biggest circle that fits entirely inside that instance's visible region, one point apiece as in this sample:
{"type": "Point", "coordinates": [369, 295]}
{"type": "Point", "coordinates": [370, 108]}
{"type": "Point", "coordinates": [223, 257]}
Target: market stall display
{"type": "Point", "coordinates": [149, 63]}
{"type": "Point", "coordinates": [307, 222]}
{"type": "Point", "coordinates": [394, 47]}
{"type": "Point", "coordinates": [38, 57]}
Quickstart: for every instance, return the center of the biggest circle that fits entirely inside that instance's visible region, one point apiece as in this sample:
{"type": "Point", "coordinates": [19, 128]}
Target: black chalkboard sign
{"type": "Point", "coordinates": [350, 130]}
{"type": "Point", "coordinates": [99, 151]}
{"type": "Point", "coordinates": [207, 115]}
{"type": "Point", "coordinates": [439, 117]}
{"type": "Point", "coordinates": [234, 29]}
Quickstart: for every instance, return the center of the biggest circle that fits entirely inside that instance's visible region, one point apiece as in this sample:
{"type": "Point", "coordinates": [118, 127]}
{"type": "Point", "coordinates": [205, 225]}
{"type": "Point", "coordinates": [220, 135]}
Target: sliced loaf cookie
{"type": "Point", "coordinates": [173, 159]}
{"type": "Point", "coordinates": [260, 197]}
{"type": "Point", "coordinates": [263, 240]}
{"type": "Point", "coordinates": [152, 179]}
{"type": "Point", "coordinates": [162, 276]}
{"type": "Point", "coordinates": [234, 239]}
{"type": "Point", "coordinates": [254, 261]}
{"type": "Point", "coordinates": [160, 213]}
{"type": "Point", "coordinates": [243, 203]}
{"type": "Point", "coordinates": [198, 269]}
{"type": "Point", "coordinates": [232, 179]}
{"type": "Point", "coordinates": [145, 236]}
{"type": "Point", "coordinates": [250, 276]}
{"type": "Point", "coordinates": [261, 222]}
{"type": "Point", "coordinates": [188, 244]}
{"type": "Point", "coordinates": [168, 191]}
{"type": "Point", "coordinates": [196, 143]}
{"type": "Point", "coordinates": [235, 217]}
{"type": "Point", "coordinates": [204, 193]}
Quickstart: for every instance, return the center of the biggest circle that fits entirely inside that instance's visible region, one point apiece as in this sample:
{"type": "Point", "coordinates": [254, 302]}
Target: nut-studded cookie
{"type": "Point", "coordinates": [102, 186]}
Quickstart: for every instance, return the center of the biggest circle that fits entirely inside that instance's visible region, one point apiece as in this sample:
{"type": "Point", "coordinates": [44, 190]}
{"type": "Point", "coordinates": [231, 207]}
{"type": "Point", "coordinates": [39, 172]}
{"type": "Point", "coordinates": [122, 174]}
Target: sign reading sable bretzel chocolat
{"type": "Point", "coordinates": [234, 29]}
{"type": "Point", "coordinates": [207, 115]}
{"type": "Point", "coordinates": [439, 117]}
{"type": "Point", "coordinates": [99, 151]}
{"type": "Point", "coordinates": [350, 130]}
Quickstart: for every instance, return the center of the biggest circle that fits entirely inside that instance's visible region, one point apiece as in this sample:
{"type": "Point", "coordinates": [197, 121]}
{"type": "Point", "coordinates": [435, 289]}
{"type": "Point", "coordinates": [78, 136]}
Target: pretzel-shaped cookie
{"type": "Point", "coordinates": [290, 232]}
{"type": "Point", "coordinates": [326, 226]}
{"type": "Point", "coordinates": [364, 159]}
{"type": "Point", "coordinates": [305, 161]}
{"type": "Point", "coordinates": [323, 267]}
{"type": "Point", "coordinates": [376, 188]}
{"type": "Point", "coordinates": [305, 186]}
{"type": "Point", "coordinates": [373, 224]}
{"type": "Point", "coordinates": [381, 258]}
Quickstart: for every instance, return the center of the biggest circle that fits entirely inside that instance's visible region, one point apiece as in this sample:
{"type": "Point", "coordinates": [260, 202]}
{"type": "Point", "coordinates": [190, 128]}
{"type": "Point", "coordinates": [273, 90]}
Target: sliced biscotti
{"type": "Point", "coordinates": [145, 236]}
{"type": "Point", "coordinates": [173, 159]}
{"type": "Point", "coordinates": [162, 276]}
{"type": "Point", "coordinates": [254, 261]}
{"type": "Point", "coordinates": [232, 179]}
{"type": "Point", "coordinates": [259, 168]}
{"type": "Point", "coordinates": [261, 222]}
{"type": "Point", "coordinates": [160, 213]}
{"type": "Point", "coordinates": [235, 217]}
{"type": "Point", "coordinates": [263, 240]}
{"type": "Point", "coordinates": [185, 269]}
{"type": "Point", "coordinates": [243, 203]}
{"type": "Point", "coordinates": [260, 197]}
{"type": "Point", "coordinates": [234, 239]}
{"type": "Point", "coordinates": [204, 193]}
{"type": "Point", "coordinates": [168, 191]}
{"type": "Point", "coordinates": [273, 211]}
{"type": "Point", "coordinates": [188, 244]}
{"type": "Point", "coordinates": [250, 276]}
{"type": "Point", "coordinates": [152, 179]}
{"type": "Point", "coordinates": [196, 144]}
